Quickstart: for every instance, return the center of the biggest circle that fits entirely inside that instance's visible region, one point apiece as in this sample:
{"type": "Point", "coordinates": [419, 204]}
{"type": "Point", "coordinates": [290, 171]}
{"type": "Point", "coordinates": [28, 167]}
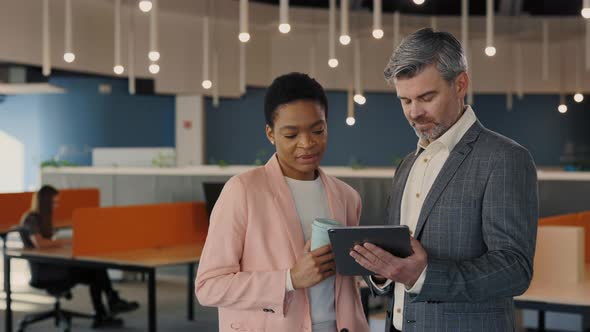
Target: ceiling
{"type": "Point", "coordinates": [453, 7]}
{"type": "Point", "coordinates": [512, 15]}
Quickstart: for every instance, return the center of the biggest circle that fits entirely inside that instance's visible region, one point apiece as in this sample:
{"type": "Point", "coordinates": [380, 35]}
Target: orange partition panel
{"type": "Point", "coordinates": [555, 220]}
{"type": "Point", "coordinates": [13, 206]}
{"type": "Point", "coordinates": [581, 219]}
{"type": "Point", "coordinates": [111, 229]}
{"type": "Point", "coordinates": [71, 199]}
{"type": "Point", "coordinates": [556, 260]}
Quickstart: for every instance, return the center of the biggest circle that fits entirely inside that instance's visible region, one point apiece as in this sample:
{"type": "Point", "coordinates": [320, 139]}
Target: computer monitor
{"type": "Point", "coordinates": [212, 191]}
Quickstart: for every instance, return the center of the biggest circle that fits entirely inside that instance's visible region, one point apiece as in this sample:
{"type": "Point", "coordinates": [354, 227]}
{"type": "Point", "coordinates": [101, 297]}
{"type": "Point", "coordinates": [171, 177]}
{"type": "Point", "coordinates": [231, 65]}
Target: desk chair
{"type": "Point", "coordinates": [212, 191]}
{"type": "Point", "coordinates": [57, 286]}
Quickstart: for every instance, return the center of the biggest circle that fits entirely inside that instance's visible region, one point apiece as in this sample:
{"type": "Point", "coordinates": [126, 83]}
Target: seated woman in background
{"type": "Point", "coordinates": [38, 223]}
{"type": "Point", "coordinates": [257, 266]}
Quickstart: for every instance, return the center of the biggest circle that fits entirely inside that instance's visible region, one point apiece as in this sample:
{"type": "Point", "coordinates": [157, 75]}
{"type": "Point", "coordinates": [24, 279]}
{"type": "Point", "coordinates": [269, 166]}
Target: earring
{"type": "Point", "coordinates": [272, 142]}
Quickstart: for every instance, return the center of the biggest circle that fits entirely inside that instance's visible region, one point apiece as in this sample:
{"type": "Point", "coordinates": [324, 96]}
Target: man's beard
{"type": "Point", "coordinates": [434, 133]}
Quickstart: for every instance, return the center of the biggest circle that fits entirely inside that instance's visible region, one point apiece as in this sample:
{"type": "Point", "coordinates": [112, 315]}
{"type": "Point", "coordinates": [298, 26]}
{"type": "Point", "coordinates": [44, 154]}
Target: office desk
{"type": "Point", "coordinates": [145, 261]}
{"type": "Point", "coordinates": [5, 229]}
{"type": "Point", "coordinates": [559, 297]}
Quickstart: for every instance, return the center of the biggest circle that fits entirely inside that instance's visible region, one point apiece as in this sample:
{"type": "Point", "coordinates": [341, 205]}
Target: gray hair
{"type": "Point", "coordinates": [425, 47]}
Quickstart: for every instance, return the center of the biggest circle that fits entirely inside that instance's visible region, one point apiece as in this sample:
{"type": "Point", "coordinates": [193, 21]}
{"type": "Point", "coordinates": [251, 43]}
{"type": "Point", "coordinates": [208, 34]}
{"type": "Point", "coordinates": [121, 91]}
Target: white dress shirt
{"type": "Point", "coordinates": [422, 175]}
{"type": "Point", "coordinates": [311, 202]}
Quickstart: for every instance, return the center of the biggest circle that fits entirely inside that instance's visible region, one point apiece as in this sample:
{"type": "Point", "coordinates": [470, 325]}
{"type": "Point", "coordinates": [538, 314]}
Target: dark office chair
{"type": "Point", "coordinates": [212, 191]}
{"type": "Point", "coordinates": [56, 285]}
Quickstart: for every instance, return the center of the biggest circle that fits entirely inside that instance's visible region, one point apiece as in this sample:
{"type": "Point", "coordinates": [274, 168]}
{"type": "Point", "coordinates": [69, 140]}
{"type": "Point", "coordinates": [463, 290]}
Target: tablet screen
{"type": "Point", "coordinates": [394, 239]}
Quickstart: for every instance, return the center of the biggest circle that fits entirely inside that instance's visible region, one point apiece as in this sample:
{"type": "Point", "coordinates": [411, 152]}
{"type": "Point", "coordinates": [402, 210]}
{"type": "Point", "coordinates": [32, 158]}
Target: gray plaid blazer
{"type": "Point", "coordinates": [478, 225]}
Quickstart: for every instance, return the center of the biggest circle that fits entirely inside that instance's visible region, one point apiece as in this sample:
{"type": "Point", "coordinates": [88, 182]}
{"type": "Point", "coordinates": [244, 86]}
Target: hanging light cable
{"type": "Point", "coordinates": [464, 24]}
{"type": "Point", "coordinates": [215, 62]}
{"type": "Point", "coordinates": [244, 35]}
{"type": "Point", "coordinates": [46, 40]}
{"type": "Point", "coordinates": [69, 55]}
{"type": "Point", "coordinates": [377, 14]}
{"type": "Point", "coordinates": [350, 120]}
{"type": "Point", "coordinates": [242, 68]}
{"type": "Point", "coordinates": [154, 54]}
{"type": "Point", "coordinates": [118, 67]}
{"type": "Point", "coordinates": [433, 23]}
{"type": "Point", "coordinates": [562, 108]}
{"type": "Point", "coordinates": [510, 85]}
{"type": "Point", "coordinates": [359, 98]}
{"type": "Point", "coordinates": [470, 95]}
{"type": "Point", "coordinates": [131, 52]}
{"type": "Point", "coordinates": [509, 99]}
{"type": "Point", "coordinates": [344, 34]}
{"type": "Point", "coordinates": [490, 48]}
{"type": "Point", "coordinates": [396, 39]}
{"type": "Point", "coordinates": [206, 83]}
{"type": "Point", "coordinates": [578, 96]}
{"type": "Point", "coordinates": [518, 70]}
{"type": "Point", "coordinates": [332, 61]}
{"type": "Point", "coordinates": [284, 26]}
{"type": "Point", "coordinates": [587, 45]}
{"type": "Point", "coordinates": [545, 51]}
{"type": "Point", "coordinates": [215, 79]}
{"type": "Point", "coordinates": [465, 44]}
{"type": "Point", "coordinates": [312, 60]}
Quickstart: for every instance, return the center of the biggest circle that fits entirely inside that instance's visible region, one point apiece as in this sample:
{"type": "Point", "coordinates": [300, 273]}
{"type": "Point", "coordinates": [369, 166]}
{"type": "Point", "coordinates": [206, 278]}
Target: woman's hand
{"type": "Point", "coordinates": [313, 267]}
{"type": "Point", "coordinates": [40, 242]}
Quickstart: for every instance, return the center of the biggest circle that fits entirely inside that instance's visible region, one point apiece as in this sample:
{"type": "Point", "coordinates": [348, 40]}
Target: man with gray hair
{"type": "Point", "coordinates": [468, 196]}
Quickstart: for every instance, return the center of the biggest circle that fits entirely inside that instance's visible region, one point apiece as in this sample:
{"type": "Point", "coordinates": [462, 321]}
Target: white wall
{"type": "Point", "coordinates": [12, 164]}
{"type": "Point", "coordinates": [133, 156]}
{"type": "Point", "coordinates": [190, 131]}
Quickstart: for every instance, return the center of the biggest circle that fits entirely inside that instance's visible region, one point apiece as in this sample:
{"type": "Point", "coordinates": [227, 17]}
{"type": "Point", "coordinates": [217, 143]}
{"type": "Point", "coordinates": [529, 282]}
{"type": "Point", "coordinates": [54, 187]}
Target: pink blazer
{"type": "Point", "coordinates": [254, 237]}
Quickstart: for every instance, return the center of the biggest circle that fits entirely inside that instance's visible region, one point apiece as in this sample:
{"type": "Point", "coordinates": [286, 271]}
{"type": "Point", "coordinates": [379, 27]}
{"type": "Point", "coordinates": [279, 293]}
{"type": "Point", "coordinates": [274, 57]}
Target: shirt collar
{"type": "Point", "coordinates": [452, 136]}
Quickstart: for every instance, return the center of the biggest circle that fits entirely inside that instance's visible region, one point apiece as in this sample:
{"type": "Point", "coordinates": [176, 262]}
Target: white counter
{"type": "Point", "coordinates": [214, 170]}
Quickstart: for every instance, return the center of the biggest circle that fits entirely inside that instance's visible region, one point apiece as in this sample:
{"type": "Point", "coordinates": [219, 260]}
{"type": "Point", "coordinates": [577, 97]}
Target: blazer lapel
{"type": "Point", "coordinates": [456, 158]}
{"type": "Point", "coordinates": [284, 204]}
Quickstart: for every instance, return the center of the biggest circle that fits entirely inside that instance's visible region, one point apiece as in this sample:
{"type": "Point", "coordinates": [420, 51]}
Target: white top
{"type": "Point", "coordinates": [311, 202]}
{"type": "Point", "coordinates": [422, 175]}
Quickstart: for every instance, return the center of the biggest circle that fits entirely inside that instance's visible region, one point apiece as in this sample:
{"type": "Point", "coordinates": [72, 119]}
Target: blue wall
{"type": "Point", "coordinates": [235, 130]}
{"type": "Point", "coordinates": [67, 126]}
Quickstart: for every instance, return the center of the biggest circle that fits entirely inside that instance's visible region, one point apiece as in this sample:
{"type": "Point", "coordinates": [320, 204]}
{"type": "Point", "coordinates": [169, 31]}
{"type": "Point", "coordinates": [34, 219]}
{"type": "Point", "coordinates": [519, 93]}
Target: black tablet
{"type": "Point", "coordinates": [394, 239]}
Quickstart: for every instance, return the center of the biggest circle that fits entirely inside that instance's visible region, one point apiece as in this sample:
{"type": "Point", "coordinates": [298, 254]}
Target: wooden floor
{"type": "Point", "coordinates": [171, 305]}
